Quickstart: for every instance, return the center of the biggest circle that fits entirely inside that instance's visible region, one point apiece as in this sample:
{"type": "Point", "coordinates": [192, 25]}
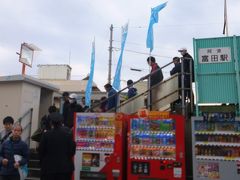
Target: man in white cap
{"type": "Point", "coordinates": [186, 59]}
{"type": "Point", "coordinates": [73, 107]}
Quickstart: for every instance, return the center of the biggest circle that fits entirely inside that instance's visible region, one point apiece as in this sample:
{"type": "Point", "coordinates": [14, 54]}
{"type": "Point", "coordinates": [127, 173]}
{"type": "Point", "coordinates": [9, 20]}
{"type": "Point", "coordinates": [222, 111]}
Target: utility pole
{"type": "Point", "coordinates": [225, 27]}
{"type": "Point", "coordinates": [110, 54]}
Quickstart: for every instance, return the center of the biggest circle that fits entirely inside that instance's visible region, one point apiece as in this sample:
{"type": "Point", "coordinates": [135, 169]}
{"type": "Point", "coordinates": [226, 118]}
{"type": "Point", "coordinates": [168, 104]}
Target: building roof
{"type": "Point", "coordinates": [72, 85]}
{"type": "Point", "coordinates": [29, 79]}
{"type": "Point", "coordinates": [41, 65]}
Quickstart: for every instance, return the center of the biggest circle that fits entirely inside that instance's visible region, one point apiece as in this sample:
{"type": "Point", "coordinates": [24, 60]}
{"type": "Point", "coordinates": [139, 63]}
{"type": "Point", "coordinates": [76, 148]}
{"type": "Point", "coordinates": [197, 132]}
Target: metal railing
{"type": "Point", "coordinates": [181, 89]}
{"type": "Point", "coordinates": [25, 121]}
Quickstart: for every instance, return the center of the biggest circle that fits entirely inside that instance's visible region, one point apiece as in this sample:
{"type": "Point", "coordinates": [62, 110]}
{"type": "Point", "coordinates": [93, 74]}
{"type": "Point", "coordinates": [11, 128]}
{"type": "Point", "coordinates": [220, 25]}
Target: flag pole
{"type": "Point", "coordinates": [225, 27]}
{"type": "Point", "coordinates": [149, 101]}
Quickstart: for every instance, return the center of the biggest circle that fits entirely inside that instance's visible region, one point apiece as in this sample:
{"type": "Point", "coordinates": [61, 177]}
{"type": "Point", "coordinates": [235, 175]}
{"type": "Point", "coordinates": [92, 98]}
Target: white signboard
{"type": "Point", "coordinates": [214, 55]}
{"type": "Point", "coordinates": [26, 55]}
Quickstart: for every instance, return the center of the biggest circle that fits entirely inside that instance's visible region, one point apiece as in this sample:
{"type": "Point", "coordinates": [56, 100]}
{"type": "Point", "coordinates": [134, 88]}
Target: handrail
{"type": "Point", "coordinates": [117, 94]}
{"type": "Point", "coordinates": [182, 89]}
{"type": "Point", "coordinates": [24, 115]}
{"type": "Point", "coordinates": [19, 121]}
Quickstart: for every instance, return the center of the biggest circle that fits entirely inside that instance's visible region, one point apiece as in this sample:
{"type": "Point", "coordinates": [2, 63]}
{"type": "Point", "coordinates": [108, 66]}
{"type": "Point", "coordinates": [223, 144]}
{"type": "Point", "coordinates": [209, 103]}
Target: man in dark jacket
{"type": "Point", "coordinates": [176, 69]}
{"type": "Point", "coordinates": [188, 66]}
{"type": "Point", "coordinates": [73, 107]}
{"type": "Point", "coordinates": [65, 108]}
{"type": "Point", "coordinates": [112, 97]}
{"type": "Point", "coordinates": [156, 77]}
{"type": "Point", "coordinates": [56, 151]}
{"type": "Point", "coordinates": [10, 148]}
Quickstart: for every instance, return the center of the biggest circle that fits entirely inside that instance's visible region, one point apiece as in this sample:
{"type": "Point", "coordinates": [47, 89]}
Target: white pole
{"type": "Point", "coordinates": [225, 30]}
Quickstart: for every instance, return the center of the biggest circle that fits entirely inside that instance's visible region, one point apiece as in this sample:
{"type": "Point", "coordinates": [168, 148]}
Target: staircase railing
{"type": "Point", "coordinates": [25, 121]}
{"type": "Point", "coordinates": [149, 89]}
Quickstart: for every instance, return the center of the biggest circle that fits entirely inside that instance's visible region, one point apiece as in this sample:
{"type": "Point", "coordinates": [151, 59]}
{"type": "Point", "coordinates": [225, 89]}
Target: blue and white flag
{"type": "Point", "coordinates": [88, 91]}
{"type": "Point", "coordinates": [153, 20]}
{"type": "Point", "coordinates": [116, 82]}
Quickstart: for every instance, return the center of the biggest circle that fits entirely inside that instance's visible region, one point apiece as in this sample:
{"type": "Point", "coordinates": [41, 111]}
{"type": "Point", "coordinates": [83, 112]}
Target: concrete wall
{"type": "Point", "coordinates": [18, 97]}
{"type": "Point", "coordinates": [46, 100]}
{"type": "Point", "coordinates": [10, 95]}
{"type": "Point", "coordinates": [54, 72]}
{"type": "Point", "coordinates": [31, 99]}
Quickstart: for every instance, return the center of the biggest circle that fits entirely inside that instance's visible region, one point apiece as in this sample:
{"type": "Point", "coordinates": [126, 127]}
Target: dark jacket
{"type": "Point", "coordinates": [45, 123]}
{"type": "Point", "coordinates": [74, 107]}
{"type": "Point", "coordinates": [112, 99]}
{"type": "Point", "coordinates": [132, 92]}
{"type": "Point", "coordinates": [156, 77]}
{"type": "Point", "coordinates": [65, 110]}
{"type": "Point", "coordinates": [8, 150]}
{"type": "Point", "coordinates": [186, 68]}
{"type": "Point", "coordinates": [177, 69]}
{"type": "Point", "coordinates": [56, 150]}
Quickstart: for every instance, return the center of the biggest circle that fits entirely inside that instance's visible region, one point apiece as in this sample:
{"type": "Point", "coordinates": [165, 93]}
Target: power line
{"type": "Point", "coordinates": [138, 52]}
{"type": "Point", "coordinates": [180, 25]}
{"type": "Point", "coordinates": [143, 45]}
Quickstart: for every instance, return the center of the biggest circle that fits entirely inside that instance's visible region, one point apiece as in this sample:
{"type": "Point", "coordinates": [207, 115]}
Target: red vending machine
{"type": "Point", "coordinates": [99, 153]}
{"type": "Point", "coordinates": [156, 148]}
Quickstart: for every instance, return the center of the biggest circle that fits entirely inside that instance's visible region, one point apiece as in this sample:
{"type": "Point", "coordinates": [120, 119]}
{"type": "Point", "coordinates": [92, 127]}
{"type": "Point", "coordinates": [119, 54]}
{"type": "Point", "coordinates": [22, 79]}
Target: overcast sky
{"type": "Point", "coordinates": [64, 27]}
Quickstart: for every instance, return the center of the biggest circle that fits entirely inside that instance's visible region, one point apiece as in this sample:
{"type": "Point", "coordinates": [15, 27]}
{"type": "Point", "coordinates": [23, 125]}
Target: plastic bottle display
{"type": "Point", "coordinates": [217, 136]}
{"type": "Point", "coordinates": [95, 133]}
{"type": "Point", "coordinates": [233, 152]}
{"type": "Point", "coordinates": [153, 139]}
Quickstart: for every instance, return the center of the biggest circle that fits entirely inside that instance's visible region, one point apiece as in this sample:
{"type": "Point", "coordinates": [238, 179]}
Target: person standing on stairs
{"type": "Point", "coordinates": [176, 70]}
{"type": "Point", "coordinates": [188, 67]}
{"type": "Point", "coordinates": [12, 147]}
{"type": "Point", "coordinates": [56, 151]}
{"type": "Point", "coordinates": [7, 132]}
{"type": "Point", "coordinates": [155, 77]}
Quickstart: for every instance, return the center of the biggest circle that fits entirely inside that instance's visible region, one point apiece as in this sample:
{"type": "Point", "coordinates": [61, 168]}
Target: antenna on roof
{"type": "Point", "coordinates": [69, 57]}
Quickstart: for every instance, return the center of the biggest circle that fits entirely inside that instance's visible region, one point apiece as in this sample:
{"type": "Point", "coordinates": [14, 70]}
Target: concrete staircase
{"type": "Point", "coordinates": [33, 166]}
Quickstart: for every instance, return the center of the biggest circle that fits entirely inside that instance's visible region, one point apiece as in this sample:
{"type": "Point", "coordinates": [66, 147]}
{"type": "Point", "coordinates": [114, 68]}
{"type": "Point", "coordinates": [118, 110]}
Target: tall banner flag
{"type": "Point", "coordinates": [153, 20]}
{"type": "Point", "coordinates": [116, 82]}
{"type": "Point", "coordinates": [88, 91]}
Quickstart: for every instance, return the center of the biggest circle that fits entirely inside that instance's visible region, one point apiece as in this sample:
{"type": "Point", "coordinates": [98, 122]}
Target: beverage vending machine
{"type": "Point", "coordinates": [156, 148]}
{"type": "Point", "coordinates": [99, 151]}
{"type": "Point", "coordinates": [216, 146]}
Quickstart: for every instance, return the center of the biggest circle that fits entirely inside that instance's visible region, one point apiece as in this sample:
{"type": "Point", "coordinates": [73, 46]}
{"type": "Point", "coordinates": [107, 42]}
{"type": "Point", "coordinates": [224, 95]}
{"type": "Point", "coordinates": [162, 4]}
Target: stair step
{"type": "Point", "coordinates": [34, 156]}
{"type": "Point", "coordinates": [32, 178]}
{"type": "Point", "coordinates": [34, 172]}
{"type": "Point", "coordinates": [34, 163]}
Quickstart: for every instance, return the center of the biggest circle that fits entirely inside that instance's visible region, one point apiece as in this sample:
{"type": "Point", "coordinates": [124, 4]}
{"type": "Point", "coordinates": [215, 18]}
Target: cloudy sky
{"type": "Point", "coordinates": [65, 29]}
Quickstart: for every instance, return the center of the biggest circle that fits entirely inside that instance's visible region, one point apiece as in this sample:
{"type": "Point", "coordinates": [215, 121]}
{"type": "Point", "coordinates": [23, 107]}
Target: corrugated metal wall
{"type": "Point", "coordinates": [216, 82]}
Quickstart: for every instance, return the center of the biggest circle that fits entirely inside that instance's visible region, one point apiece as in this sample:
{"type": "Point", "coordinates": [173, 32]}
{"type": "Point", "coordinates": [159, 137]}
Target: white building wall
{"type": "Point", "coordinates": [10, 95]}
{"type": "Point", "coordinates": [31, 99]}
{"type": "Point", "coordinates": [55, 72]}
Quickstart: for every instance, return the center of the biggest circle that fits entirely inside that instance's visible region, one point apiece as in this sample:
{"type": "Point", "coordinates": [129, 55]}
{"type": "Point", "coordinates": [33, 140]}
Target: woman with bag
{"type": "Point", "coordinates": [14, 147]}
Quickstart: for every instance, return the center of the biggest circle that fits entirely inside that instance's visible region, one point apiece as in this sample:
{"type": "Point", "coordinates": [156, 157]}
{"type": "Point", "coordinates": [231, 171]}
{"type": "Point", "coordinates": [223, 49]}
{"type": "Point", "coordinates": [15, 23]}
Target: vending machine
{"type": "Point", "coordinates": [99, 139]}
{"type": "Point", "coordinates": [216, 146]}
{"type": "Point", "coordinates": [156, 148]}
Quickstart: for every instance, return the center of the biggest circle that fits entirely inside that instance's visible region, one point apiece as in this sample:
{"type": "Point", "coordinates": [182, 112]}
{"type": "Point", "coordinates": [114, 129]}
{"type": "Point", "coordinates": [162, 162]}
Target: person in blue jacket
{"type": "Point", "coordinates": [132, 91]}
{"type": "Point", "coordinates": [10, 148]}
{"type": "Point", "coordinates": [112, 97]}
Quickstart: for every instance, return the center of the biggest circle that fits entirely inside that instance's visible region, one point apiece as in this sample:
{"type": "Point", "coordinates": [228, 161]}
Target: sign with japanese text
{"type": "Point", "coordinates": [214, 55]}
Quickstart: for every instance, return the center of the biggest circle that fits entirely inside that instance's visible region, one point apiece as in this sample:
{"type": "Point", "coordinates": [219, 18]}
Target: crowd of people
{"type": "Point", "coordinates": [56, 146]}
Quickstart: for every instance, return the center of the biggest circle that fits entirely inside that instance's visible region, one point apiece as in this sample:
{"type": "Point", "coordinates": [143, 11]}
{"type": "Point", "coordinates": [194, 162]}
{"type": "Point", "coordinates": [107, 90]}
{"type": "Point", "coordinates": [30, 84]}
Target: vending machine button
{"type": "Point", "coordinates": [177, 164]}
{"type": "Point", "coordinates": [169, 166]}
{"type": "Point", "coordinates": [162, 167]}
